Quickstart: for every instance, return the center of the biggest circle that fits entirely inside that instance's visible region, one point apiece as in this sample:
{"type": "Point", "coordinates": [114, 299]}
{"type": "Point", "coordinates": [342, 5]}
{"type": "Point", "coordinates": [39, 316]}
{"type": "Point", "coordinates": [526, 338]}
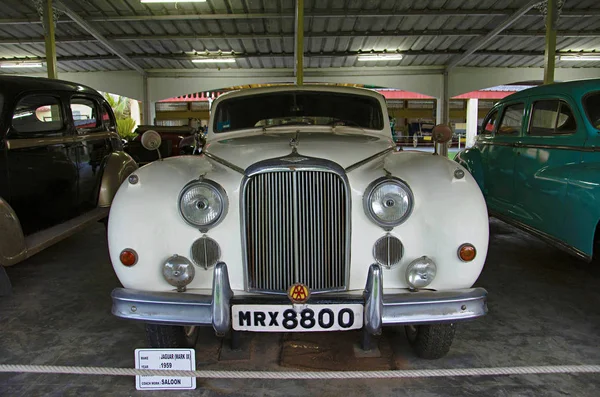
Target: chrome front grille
{"type": "Point", "coordinates": [296, 230]}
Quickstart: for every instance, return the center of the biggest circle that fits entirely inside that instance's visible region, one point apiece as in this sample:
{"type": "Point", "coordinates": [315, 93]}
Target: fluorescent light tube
{"type": "Point", "coordinates": [172, 1]}
{"type": "Point", "coordinates": [579, 58]}
{"type": "Point", "coordinates": [379, 57]}
{"type": "Point", "coordinates": [21, 65]}
{"type": "Point", "coordinates": [214, 60]}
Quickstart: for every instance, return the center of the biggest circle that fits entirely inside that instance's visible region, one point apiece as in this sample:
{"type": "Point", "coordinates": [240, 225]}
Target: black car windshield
{"type": "Point", "coordinates": [591, 103]}
{"type": "Point", "coordinates": [298, 108]}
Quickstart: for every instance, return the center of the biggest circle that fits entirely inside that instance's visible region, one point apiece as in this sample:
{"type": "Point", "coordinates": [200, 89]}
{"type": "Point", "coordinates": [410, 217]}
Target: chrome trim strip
{"type": "Point", "coordinates": [534, 146]}
{"type": "Point", "coordinates": [224, 162]}
{"type": "Point", "coordinates": [281, 165]}
{"type": "Point", "coordinates": [373, 300]}
{"type": "Point", "coordinates": [25, 143]}
{"type": "Point", "coordinates": [553, 241]}
{"type": "Point", "coordinates": [429, 307]}
{"type": "Point", "coordinates": [368, 160]}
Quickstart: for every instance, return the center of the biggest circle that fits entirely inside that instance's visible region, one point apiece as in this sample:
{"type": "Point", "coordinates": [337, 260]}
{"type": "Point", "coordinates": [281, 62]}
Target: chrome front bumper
{"type": "Point", "coordinates": [424, 307]}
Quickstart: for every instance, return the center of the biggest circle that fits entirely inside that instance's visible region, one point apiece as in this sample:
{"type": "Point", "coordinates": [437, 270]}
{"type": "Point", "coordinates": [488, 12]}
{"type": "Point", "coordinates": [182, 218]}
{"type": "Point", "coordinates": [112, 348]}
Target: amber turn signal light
{"type": "Point", "coordinates": [128, 257]}
{"type": "Point", "coordinates": [467, 252]}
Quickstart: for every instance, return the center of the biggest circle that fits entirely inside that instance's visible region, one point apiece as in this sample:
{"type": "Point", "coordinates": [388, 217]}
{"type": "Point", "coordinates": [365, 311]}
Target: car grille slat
{"type": "Point", "coordinates": [296, 230]}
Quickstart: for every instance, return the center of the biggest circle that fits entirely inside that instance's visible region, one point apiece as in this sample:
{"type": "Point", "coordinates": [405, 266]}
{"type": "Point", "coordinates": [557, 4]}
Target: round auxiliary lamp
{"type": "Point", "coordinates": [151, 140]}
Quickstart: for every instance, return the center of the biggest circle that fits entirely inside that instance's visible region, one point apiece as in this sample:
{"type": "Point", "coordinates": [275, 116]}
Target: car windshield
{"type": "Point", "coordinates": [591, 103]}
{"type": "Point", "coordinates": [298, 108]}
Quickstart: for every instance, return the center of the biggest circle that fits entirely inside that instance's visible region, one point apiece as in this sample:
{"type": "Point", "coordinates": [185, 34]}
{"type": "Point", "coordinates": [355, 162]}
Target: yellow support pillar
{"type": "Point", "coordinates": [550, 53]}
{"type": "Point", "coordinates": [299, 53]}
{"type": "Point", "coordinates": [48, 21]}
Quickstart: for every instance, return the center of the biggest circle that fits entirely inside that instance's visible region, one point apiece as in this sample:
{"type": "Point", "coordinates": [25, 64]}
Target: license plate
{"type": "Point", "coordinates": [297, 318]}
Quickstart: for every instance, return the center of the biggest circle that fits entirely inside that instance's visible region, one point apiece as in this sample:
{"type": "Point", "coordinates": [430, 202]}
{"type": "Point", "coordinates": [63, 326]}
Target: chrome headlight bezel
{"type": "Point", "coordinates": [368, 196]}
{"type": "Point", "coordinates": [216, 188]}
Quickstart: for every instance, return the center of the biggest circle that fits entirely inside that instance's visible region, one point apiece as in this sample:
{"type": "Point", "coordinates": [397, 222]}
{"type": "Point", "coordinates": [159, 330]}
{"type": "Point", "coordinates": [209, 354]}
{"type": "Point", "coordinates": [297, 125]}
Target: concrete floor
{"type": "Point", "coordinates": [544, 310]}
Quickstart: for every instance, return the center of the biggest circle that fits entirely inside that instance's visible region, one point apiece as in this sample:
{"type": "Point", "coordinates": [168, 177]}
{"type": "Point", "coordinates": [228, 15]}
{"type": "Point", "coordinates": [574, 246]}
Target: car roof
{"type": "Point", "coordinates": [14, 85]}
{"type": "Point", "coordinates": [576, 88]}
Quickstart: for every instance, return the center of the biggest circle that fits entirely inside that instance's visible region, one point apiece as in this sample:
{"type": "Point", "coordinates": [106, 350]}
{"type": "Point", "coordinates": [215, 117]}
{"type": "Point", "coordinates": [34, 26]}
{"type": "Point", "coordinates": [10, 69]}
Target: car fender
{"type": "Point", "coordinates": [12, 243]}
{"type": "Point", "coordinates": [449, 210]}
{"type": "Point", "coordinates": [581, 206]}
{"type": "Point", "coordinates": [117, 168]}
{"type": "Point", "coordinates": [471, 160]}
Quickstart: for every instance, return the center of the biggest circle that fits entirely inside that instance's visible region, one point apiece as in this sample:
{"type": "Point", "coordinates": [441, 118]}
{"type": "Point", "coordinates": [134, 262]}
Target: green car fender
{"type": "Point", "coordinates": [471, 160]}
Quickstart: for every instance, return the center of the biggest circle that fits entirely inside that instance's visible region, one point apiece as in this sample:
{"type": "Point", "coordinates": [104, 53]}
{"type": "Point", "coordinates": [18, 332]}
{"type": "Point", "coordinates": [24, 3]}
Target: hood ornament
{"type": "Point", "coordinates": [294, 141]}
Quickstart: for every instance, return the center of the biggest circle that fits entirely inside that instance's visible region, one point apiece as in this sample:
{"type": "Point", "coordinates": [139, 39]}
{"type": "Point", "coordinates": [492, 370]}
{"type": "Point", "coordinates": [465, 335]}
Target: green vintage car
{"type": "Point", "coordinates": [537, 161]}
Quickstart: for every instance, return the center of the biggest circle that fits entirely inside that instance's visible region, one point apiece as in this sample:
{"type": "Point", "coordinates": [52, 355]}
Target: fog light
{"type": "Point", "coordinates": [128, 257]}
{"type": "Point", "coordinates": [178, 271]}
{"type": "Point", "coordinates": [467, 252]}
{"type": "Point", "coordinates": [420, 272]}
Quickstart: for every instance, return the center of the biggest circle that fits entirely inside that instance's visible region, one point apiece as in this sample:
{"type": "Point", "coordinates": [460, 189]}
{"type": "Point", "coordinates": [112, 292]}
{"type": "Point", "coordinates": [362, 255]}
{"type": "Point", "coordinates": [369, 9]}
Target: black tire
{"type": "Point", "coordinates": [430, 341]}
{"type": "Point", "coordinates": [171, 336]}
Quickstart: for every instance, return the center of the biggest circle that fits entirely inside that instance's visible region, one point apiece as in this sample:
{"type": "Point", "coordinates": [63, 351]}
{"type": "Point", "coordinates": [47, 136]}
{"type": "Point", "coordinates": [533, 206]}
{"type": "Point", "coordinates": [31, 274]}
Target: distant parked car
{"type": "Point", "coordinates": [175, 141]}
{"type": "Point", "coordinates": [299, 216]}
{"type": "Point", "coordinates": [537, 161]}
{"type": "Point", "coordinates": [61, 163]}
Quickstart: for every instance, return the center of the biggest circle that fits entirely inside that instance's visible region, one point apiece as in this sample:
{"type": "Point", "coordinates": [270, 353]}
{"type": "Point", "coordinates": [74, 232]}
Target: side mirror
{"type": "Point", "coordinates": [441, 133]}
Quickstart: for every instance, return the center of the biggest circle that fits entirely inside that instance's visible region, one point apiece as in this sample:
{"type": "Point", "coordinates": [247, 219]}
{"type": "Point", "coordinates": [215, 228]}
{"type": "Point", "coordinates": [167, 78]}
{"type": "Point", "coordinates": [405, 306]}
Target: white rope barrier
{"type": "Point", "coordinates": [413, 373]}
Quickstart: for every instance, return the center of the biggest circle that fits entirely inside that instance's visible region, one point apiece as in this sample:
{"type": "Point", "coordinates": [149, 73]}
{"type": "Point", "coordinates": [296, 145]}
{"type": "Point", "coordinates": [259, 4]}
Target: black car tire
{"type": "Point", "coordinates": [430, 341]}
{"type": "Point", "coordinates": [171, 336]}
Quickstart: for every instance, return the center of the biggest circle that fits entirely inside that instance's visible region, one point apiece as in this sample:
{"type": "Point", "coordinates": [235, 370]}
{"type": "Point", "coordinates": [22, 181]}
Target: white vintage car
{"type": "Point", "coordinates": [299, 216]}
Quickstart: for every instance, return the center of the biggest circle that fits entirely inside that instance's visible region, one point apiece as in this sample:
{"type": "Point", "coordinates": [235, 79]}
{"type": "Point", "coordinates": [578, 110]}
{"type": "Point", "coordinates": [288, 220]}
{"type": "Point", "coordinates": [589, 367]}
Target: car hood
{"type": "Point", "coordinates": [344, 148]}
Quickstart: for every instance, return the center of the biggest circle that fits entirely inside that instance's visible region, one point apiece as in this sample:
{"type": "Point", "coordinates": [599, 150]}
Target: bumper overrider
{"type": "Point", "coordinates": [403, 308]}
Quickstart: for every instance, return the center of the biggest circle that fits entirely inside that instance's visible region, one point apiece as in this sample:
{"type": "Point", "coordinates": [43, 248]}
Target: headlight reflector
{"type": "Point", "coordinates": [203, 204]}
{"type": "Point", "coordinates": [420, 272]}
{"type": "Point", "coordinates": [388, 202]}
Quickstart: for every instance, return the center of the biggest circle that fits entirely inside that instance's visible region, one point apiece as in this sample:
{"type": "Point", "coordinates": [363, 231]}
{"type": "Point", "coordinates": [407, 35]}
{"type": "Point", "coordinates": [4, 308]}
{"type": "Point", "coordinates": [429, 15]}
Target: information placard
{"type": "Point", "coordinates": [171, 359]}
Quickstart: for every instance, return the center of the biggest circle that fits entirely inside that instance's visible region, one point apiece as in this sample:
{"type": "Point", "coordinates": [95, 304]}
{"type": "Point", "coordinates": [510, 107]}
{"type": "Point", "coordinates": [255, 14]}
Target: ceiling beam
{"type": "Point", "coordinates": [399, 34]}
{"type": "Point", "coordinates": [569, 13]}
{"type": "Point", "coordinates": [110, 46]}
{"type": "Point", "coordinates": [493, 33]}
{"type": "Point", "coordinates": [185, 57]}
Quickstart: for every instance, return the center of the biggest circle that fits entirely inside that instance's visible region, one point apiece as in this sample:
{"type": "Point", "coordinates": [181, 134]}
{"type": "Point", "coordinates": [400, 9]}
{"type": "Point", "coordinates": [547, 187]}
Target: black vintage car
{"type": "Point", "coordinates": [61, 162]}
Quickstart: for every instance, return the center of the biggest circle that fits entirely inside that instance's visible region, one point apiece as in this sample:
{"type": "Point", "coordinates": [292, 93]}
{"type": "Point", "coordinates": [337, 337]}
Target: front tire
{"type": "Point", "coordinates": [171, 336]}
{"type": "Point", "coordinates": [430, 341]}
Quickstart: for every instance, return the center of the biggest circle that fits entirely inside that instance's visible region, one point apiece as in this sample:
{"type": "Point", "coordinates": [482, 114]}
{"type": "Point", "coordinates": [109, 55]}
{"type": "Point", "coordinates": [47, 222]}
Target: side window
{"type": "Point", "coordinates": [85, 116]}
{"type": "Point", "coordinates": [107, 119]}
{"type": "Point", "coordinates": [565, 122]}
{"type": "Point", "coordinates": [551, 117]}
{"type": "Point", "coordinates": [489, 124]}
{"type": "Point", "coordinates": [512, 120]}
{"type": "Point", "coordinates": [38, 115]}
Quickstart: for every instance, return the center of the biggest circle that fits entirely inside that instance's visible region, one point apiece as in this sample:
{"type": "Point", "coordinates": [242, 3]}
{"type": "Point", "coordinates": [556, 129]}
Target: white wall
{"type": "Point", "coordinates": [464, 80]}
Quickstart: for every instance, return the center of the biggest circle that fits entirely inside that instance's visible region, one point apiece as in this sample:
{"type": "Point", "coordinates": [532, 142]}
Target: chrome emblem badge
{"type": "Point", "coordinates": [298, 293]}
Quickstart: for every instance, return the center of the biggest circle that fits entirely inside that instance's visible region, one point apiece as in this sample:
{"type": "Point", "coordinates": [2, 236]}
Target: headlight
{"type": "Point", "coordinates": [388, 202]}
{"type": "Point", "coordinates": [203, 204]}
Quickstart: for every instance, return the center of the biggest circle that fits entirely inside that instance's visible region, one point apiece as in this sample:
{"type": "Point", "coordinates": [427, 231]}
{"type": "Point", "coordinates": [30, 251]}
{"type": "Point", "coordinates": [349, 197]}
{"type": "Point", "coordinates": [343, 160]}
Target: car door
{"type": "Point", "coordinates": [551, 144]}
{"type": "Point", "coordinates": [92, 146]}
{"type": "Point", "coordinates": [498, 155]}
{"type": "Point", "coordinates": [42, 176]}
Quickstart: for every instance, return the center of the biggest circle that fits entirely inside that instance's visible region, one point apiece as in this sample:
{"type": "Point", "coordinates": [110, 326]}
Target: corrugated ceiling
{"type": "Point", "coordinates": [260, 33]}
